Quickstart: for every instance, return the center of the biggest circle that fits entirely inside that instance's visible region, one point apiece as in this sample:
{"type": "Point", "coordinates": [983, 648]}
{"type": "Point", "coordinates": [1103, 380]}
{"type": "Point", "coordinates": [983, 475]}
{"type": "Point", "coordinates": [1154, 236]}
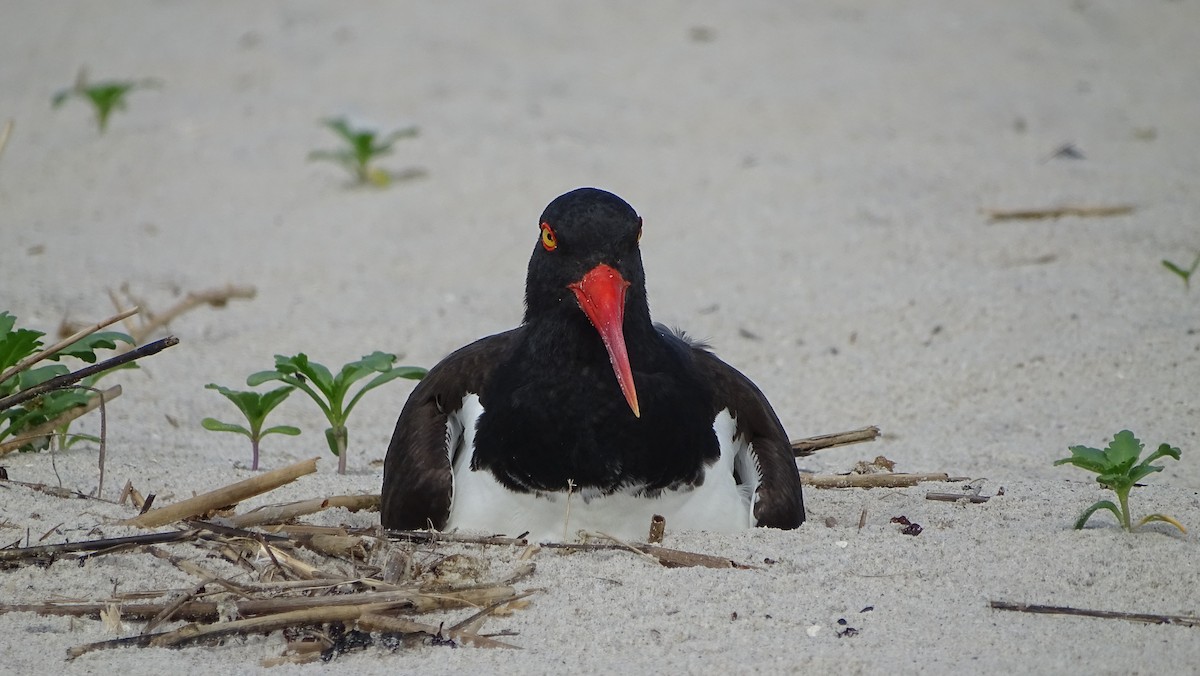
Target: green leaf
{"type": "Point", "coordinates": [331, 439]}
{"type": "Point", "coordinates": [1141, 471]}
{"type": "Point", "coordinates": [281, 429]}
{"type": "Point", "coordinates": [218, 426]}
{"type": "Point", "coordinates": [1091, 459]}
{"type": "Point", "coordinates": [36, 376]}
{"type": "Point", "coordinates": [85, 348]}
{"type": "Point", "coordinates": [1123, 451]}
{"type": "Point", "coordinates": [1164, 451]}
{"type": "Point", "coordinates": [16, 345]}
{"type": "Point", "coordinates": [1087, 513]}
{"type": "Point", "coordinates": [255, 406]}
{"type": "Point", "coordinates": [300, 365]}
{"type": "Point", "coordinates": [269, 400]}
{"type": "Point", "coordinates": [72, 439]}
{"type": "Point", "coordinates": [376, 362]}
{"type": "Point", "coordinates": [409, 372]}
{"type": "Point", "coordinates": [255, 379]}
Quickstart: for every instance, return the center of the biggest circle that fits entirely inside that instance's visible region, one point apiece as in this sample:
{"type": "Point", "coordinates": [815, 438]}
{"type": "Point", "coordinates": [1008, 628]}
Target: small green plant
{"type": "Point", "coordinates": [363, 147]}
{"type": "Point", "coordinates": [1117, 472]}
{"type": "Point", "coordinates": [1186, 275]}
{"type": "Point", "coordinates": [27, 418]}
{"type": "Point", "coordinates": [105, 97]}
{"type": "Point", "coordinates": [255, 406]}
{"type": "Point", "coordinates": [330, 392]}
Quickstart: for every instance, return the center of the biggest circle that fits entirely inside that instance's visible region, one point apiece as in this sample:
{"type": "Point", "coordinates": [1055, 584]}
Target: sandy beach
{"type": "Point", "coordinates": [818, 184]}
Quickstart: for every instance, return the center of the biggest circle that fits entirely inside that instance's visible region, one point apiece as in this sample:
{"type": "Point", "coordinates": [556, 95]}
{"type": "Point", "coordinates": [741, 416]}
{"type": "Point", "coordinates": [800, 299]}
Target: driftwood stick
{"type": "Point", "coordinates": [471, 624]}
{"type": "Point", "coordinates": [284, 512]}
{"type": "Point", "coordinates": [338, 546]}
{"type": "Point", "coordinates": [280, 513]}
{"type": "Point", "coordinates": [887, 480]}
{"type": "Point", "coordinates": [810, 445]}
{"type": "Point", "coordinates": [232, 532]}
{"type": "Point", "coordinates": [55, 491]}
{"type": "Point", "coordinates": [173, 607]}
{"type": "Point", "coordinates": [307, 617]}
{"type": "Point", "coordinates": [671, 558]}
{"type": "Point", "coordinates": [140, 641]}
{"type": "Point", "coordinates": [40, 551]}
{"type": "Point", "coordinates": [355, 503]}
{"type": "Point", "coordinates": [434, 536]}
{"type": "Point", "coordinates": [1148, 618]}
{"type": "Point", "coordinates": [974, 498]}
{"type": "Point", "coordinates": [48, 428]}
{"type": "Point", "coordinates": [205, 611]}
{"type": "Point", "coordinates": [75, 376]}
{"type": "Point", "coordinates": [229, 495]}
{"type": "Point", "coordinates": [214, 297]}
{"type": "Point", "coordinates": [376, 622]}
{"type": "Point", "coordinates": [1058, 212]}
{"type": "Point", "coordinates": [66, 342]}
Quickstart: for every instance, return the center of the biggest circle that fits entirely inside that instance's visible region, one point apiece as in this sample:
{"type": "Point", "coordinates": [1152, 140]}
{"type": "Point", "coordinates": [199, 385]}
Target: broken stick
{"type": "Point", "coordinates": [1148, 618]}
{"type": "Point", "coordinates": [888, 480]}
{"type": "Point", "coordinates": [68, 379]}
{"type": "Point", "coordinates": [223, 497]}
{"type": "Point", "coordinates": [810, 445]}
{"type": "Point", "coordinates": [1058, 212]}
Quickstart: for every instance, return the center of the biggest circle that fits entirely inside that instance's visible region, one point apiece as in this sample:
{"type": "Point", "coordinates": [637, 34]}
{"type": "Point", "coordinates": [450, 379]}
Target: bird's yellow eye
{"type": "Point", "coordinates": [549, 241]}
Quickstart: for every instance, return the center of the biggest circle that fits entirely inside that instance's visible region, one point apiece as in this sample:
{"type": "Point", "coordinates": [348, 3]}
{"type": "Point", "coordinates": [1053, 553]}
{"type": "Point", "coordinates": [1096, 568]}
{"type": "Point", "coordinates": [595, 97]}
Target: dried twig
{"type": "Point", "coordinates": [810, 445]}
{"type": "Point", "coordinates": [222, 497]}
{"type": "Point", "coordinates": [671, 558]}
{"type": "Point", "coordinates": [50, 427]}
{"type": "Point", "coordinates": [1058, 212]}
{"type": "Point", "coordinates": [434, 536]}
{"type": "Point", "coordinates": [958, 497]}
{"type": "Point", "coordinates": [1148, 618]}
{"type": "Point", "coordinates": [888, 480]}
{"type": "Point", "coordinates": [285, 512]}
{"type": "Point", "coordinates": [173, 607]}
{"type": "Point", "coordinates": [376, 622]}
{"type": "Point", "coordinates": [206, 611]}
{"type": "Point", "coordinates": [68, 379]}
{"type": "Point", "coordinates": [214, 297]}
{"type": "Point", "coordinates": [65, 343]}
{"type": "Point", "coordinates": [43, 551]}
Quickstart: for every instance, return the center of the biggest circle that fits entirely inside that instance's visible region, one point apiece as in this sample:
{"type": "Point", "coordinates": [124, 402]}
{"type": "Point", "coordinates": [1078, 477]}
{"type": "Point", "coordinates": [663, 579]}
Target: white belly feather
{"type": "Point", "coordinates": [480, 502]}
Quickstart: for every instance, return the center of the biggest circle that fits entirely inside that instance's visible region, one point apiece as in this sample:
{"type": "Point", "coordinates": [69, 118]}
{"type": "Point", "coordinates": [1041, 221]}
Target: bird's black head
{"type": "Point", "coordinates": [586, 267]}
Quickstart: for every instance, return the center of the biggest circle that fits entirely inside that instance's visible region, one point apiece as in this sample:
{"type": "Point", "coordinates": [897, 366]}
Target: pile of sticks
{"type": "Point", "coordinates": [328, 589]}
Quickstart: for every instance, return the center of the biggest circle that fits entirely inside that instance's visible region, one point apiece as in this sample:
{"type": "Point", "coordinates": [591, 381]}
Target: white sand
{"type": "Point", "coordinates": [812, 175]}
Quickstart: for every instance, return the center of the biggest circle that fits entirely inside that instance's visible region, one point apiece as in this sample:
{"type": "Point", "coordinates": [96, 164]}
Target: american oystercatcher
{"type": "Point", "coordinates": [588, 416]}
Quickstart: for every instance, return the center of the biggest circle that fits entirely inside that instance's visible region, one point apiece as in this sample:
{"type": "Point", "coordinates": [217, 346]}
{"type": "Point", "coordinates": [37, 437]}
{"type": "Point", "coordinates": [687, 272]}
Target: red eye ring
{"type": "Point", "coordinates": [549, 240]}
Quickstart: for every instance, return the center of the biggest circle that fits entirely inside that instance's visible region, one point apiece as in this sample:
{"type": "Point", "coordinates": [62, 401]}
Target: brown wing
{"type": "Point", "coordinates": [417, 477]}
{"type": "Point", "coordinates": [780, 503]}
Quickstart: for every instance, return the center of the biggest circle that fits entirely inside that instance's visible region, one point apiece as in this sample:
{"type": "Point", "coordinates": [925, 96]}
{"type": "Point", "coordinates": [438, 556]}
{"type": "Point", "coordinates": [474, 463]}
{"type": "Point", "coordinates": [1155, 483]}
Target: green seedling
{"type": "Point", "coordinates": [255, 406]}
{"type": "Point", "coordinates": [330, 392]}
{"type": "Point", "coordinates": [1117, 472]}
{"type": "Point", "coordinates": [363, 147]}
{"type": "Point", "coordinates": [105, 97]}
{"type": "Point", "coordinates": [1186, 275]}
{"type": "Point", "coordinates": [18, 344]}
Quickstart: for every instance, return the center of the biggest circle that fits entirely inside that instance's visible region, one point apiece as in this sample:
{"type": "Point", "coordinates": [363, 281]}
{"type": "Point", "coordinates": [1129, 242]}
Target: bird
{"type": "Point", "coordinates": [588, 417]}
